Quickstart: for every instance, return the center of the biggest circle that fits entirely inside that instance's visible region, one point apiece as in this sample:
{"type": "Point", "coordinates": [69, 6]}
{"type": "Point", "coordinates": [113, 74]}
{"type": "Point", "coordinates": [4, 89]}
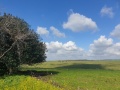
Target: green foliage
{"type": "Point", "coordinates": [18, 43]}
{"type": "Point", "coordinates": [25, 83]}
{"type": "Point", "coordinates": [34, 52]}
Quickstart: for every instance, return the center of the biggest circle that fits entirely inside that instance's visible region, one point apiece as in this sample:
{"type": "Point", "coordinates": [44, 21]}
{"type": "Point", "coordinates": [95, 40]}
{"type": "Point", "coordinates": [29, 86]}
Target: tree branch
{"type": "Point", "coordinates": [7, 50]}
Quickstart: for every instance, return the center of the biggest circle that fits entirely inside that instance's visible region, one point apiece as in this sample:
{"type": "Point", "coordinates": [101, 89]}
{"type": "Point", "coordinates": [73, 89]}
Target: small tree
{"type": "Point", "coordinates": [18, 43]}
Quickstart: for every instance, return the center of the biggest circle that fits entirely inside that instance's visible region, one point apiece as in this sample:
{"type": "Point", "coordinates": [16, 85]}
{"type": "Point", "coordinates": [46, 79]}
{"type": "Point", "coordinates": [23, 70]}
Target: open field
{"type": "Point", "coordinates": [67, 75]}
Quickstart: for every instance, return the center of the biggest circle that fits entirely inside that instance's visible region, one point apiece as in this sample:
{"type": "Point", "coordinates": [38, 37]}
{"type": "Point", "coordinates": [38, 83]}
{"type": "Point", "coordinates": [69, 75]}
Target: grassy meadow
{"type": "Point", "coordinates": [65, 75]}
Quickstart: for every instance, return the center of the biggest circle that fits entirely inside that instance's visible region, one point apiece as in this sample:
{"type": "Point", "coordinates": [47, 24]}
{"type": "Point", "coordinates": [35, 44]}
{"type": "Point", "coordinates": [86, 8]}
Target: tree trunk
{"type": "Point", "coordinates": [10, 70]}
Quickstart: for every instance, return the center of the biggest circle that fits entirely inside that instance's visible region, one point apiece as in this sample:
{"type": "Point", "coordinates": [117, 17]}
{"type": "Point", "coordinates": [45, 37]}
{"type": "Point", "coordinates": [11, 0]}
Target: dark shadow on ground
{"type": "Point", "coordinates": [82, 66]}
{"type": "Point", "coordinates": [33, 73]}
{"type": "Point", "coordinates": [36, 73]}
{"type": "Point", "coordinates": [52, 71]}
{"type": "Point", "coordinates": [73, 66]}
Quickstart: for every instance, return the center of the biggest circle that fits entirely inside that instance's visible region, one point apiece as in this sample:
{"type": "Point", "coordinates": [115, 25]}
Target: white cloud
{"type": "Point", "coordinates": [98, 48]}
{"type": "Point", "coordinates": [104, 48]}
{"type": "Point", "coordinates": [116, 32]}
{"type": "Point", "coordinates": [77, 22]}
{"type": "Point", "coordinates": [42, 31]}
{"type": "Point", "coordinates": [103, 41]}
{"type": "Point", "coordinates": [56, 32]}
{"type": "Point", "coordinates": [64, 51]}
{"type": "Point", "coordinates": [70, 46]}
{"type": "Point", "coordinates": [114, 49]}
{"type": "Point", "coordinates": [107, 11]}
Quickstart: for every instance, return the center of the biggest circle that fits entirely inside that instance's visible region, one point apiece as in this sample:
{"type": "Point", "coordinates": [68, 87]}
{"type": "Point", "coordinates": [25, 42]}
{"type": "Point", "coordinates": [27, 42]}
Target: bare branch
{"type": "Point", "coordinates": [7, 50]}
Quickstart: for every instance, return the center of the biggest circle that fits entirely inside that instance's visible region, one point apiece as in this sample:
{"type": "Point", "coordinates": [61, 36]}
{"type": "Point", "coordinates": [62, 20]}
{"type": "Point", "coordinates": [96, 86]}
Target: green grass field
{"type": "Point", "coordinates": [66, 75]}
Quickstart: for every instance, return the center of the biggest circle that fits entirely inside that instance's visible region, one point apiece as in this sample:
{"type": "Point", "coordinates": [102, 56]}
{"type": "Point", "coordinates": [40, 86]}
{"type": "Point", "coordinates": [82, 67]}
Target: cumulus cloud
{"type": "Point", "coordinates": [116, 32]}
{"type": "Point", "coordinates": [114, 49]}
{"type": "Point", "coordinates": [99, 46]}
{"type": "Point", "coordinates": [56, 32]}
{"type": "Point", "coordinates": [107, 11]}
{"type": "Point", "coordinates": [64, 51]}
{"type": "Point", "coordinates": [104, 48]}
{"type": "Point", "coordinates": [42, 31]}
{"type": "Point", "coordinates": [77, 22]}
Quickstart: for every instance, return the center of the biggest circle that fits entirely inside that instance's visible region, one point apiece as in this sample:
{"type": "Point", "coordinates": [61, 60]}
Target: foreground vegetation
{"type": "Point", "coordinates": [24, 83]}
{"type": "Point", "coordinates": [66, 75]}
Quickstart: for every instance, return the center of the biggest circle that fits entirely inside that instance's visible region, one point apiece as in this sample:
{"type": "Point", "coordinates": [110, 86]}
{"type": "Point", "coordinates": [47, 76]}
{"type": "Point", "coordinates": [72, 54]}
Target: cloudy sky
{"type": "Point", "coordinates": [72, 29]}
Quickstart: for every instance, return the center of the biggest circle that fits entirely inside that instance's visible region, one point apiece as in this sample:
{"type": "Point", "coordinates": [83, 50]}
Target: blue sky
{"type": "Point", "coordinates": [72, 29]}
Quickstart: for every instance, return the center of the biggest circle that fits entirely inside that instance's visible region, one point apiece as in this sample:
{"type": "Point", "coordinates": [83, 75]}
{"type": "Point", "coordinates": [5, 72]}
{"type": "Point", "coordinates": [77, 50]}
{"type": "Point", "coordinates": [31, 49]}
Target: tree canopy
{"type": "Point", "coordinates": [19, 44]}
